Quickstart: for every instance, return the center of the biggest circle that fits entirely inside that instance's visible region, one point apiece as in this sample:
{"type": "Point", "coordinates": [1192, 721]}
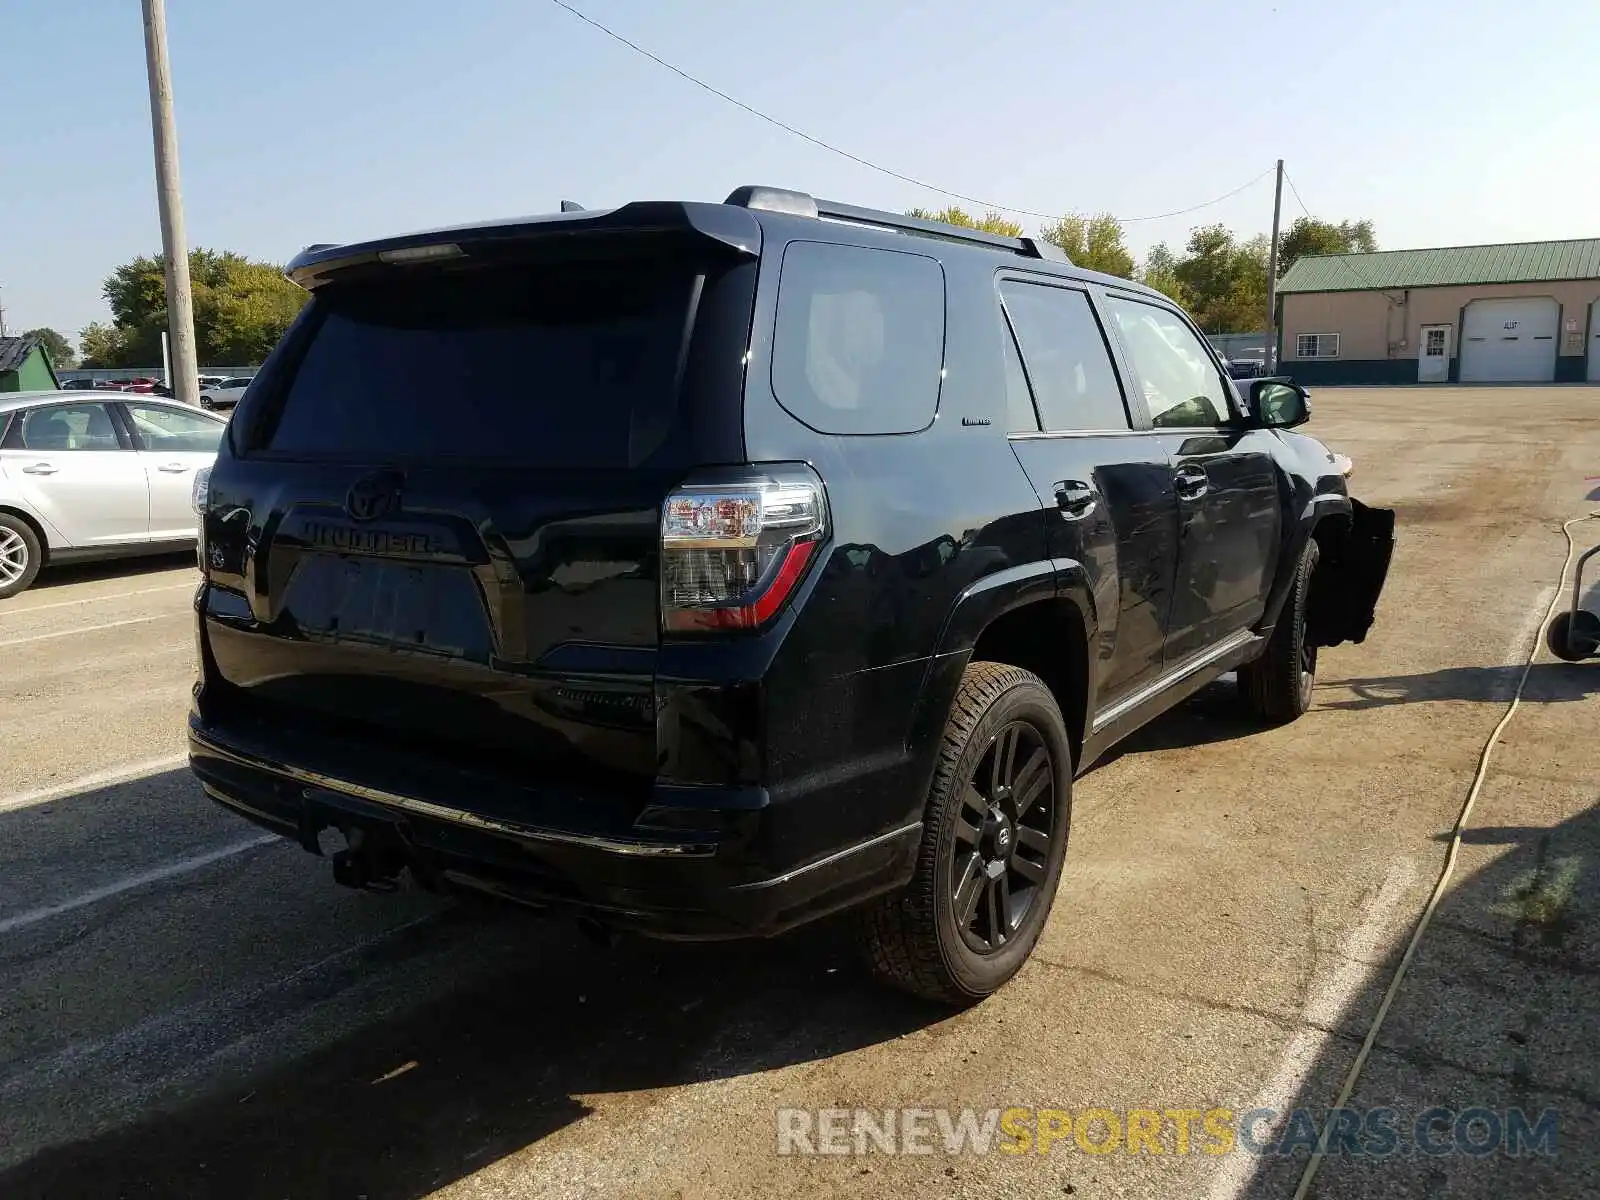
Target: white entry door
{"type": "Point", "coordinates": [1593, 374]}
{"type": "Point", "coordinates": [1433, 355]}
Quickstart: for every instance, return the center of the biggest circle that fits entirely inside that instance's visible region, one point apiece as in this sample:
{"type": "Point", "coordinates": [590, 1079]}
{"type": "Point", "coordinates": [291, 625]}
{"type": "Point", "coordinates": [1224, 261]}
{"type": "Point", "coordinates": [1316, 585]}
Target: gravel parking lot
{"type": "Point", "coordinates": [190, 1008]}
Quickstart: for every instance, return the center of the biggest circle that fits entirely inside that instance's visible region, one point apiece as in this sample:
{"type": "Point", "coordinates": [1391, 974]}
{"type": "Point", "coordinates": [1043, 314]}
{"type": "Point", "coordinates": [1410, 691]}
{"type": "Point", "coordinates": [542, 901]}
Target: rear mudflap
{"type": "Point", "coordinates": [1351, 575]}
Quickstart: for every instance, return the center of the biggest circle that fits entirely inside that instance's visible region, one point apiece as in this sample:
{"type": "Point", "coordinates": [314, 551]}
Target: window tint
{"type": "Point", "coordinates": [1020, 414]}
{"type": "Point", "coordinates": [64, 427]}
{"type": "Point", "coordinates": [566, 364]}
{"type": "Point", "coordinates": [859, 343]}
{"type": "Point", "coordinates": [1181, 384]}
{"type": "Point", "coordinates": [1070, 369]}
{"type": "Point", "coordinates": [164, 428]}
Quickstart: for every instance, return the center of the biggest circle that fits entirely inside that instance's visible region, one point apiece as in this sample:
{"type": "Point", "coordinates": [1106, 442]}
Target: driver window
{"type": "Point", "coordinates": [1182, 387]}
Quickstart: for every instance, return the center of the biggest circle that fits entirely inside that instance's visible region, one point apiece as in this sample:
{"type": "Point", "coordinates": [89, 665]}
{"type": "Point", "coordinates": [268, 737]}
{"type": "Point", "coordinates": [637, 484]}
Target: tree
{"type": "Point", "coordinates": [990, 222]}
{"type": "Point", "coordinates": [1310, 236]}
{"type": "Point", "coordinates": [104, 346]}
{"type": "Point", "coordinates": [55, 345]}
{"type": "Point", "coordinates": [1094, 243]}
{"type": "Point", "coordinates": [1160, 271]}
{"type": "Point", "coordinates": [1225, 281]}
{"type": "Point", "coordinates": [241, 309]}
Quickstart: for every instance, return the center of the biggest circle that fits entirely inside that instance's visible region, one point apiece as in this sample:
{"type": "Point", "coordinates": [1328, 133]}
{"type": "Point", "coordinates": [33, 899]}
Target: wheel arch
{"type": "Point", "coordinates": [1325, 517]}
{"type": "Point", "coordinates": [1039, 617]}
{"type": "Point", "coordinates": [33, 523]}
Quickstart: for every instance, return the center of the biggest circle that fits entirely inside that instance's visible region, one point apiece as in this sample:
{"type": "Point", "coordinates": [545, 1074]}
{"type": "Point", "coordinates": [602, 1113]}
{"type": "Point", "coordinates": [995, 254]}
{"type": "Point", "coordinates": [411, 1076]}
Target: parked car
{"type": "Point", "coordinates": [830, 547]}
{"type": "Point", "coordinates": [224, 395]}
{"type": "Point", "coordinates": [84, 478]}
{"type": "Point", "coordinates": [1246, 368]}
{"type": "Point", "coordinates": [78, 385]}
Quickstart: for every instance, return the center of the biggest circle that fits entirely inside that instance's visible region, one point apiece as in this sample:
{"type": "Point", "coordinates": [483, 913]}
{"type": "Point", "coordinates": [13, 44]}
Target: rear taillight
{"type": "Point", "coordinates": [200, 491]}
{"type": "Point", "coordinates": [734, 546]}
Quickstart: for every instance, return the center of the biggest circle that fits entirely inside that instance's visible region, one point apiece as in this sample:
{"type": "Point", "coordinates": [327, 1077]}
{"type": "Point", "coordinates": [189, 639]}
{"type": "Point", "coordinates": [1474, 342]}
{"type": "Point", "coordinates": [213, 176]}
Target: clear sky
{"type": "Point", "coordinates": [322, 120]}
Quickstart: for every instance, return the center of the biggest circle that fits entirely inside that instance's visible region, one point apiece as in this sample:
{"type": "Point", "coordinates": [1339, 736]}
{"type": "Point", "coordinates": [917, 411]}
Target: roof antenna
{"type": "Point", "coordinates": [571, 206]}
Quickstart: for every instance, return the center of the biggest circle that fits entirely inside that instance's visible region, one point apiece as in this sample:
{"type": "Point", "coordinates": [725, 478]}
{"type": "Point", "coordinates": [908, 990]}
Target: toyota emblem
{"type": "Point", "coordinates": [374, 496]}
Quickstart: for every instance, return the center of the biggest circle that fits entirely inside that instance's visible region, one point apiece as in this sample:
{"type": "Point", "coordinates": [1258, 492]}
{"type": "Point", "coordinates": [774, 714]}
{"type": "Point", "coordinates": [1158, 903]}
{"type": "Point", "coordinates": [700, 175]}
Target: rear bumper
{"type": "Point", "coordinates": [706, 878]}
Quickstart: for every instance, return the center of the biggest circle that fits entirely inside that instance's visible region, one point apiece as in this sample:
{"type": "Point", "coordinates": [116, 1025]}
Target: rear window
{"type": "Point", "coordinates": [572, 365]}
{"type": "Point", "coordinates": [859, 344]}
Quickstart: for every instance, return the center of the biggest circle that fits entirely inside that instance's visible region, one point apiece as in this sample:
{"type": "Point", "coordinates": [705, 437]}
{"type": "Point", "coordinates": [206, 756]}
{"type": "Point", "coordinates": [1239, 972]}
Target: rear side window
{"type": "Point", "coordinates": [1074, 384]}
{"type": "Point", "coordinates": [560, 365]}
{"type": "Point", "coordinates": [164, 428]}
{"type": "Point", "coordinates": [859, 343]}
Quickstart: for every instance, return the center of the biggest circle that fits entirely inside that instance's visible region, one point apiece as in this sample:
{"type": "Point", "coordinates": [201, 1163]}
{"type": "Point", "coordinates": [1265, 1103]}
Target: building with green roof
{"type": "Point", "coordinates": [1516, 312]}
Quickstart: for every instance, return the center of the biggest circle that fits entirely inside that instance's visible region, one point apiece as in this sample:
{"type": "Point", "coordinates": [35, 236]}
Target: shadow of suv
{"type": "Point", "coordinates": [810, 555]}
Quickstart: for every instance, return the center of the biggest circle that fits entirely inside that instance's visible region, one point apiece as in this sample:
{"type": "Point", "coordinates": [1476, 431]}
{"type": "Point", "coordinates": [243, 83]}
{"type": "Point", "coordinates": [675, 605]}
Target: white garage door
{"type": "Point", "coordinates": [1510, 341]}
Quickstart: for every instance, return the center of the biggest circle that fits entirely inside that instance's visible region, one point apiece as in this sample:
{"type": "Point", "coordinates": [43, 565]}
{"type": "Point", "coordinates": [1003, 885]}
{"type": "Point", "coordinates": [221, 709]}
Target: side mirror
{"type": "Point", "coordinates": [1279, 404]}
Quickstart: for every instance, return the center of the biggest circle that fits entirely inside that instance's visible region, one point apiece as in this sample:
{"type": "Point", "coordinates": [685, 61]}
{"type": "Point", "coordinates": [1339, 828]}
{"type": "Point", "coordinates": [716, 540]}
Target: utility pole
{"type": "Point", "coordinates": [1272, 274]}
{"type": "Point", "coordinates": [174, 246]}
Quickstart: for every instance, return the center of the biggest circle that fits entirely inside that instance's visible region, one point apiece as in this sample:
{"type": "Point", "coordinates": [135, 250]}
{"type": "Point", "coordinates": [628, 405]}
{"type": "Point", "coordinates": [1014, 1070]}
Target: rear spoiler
{"type": "Point", "coordinates": [735, 228]}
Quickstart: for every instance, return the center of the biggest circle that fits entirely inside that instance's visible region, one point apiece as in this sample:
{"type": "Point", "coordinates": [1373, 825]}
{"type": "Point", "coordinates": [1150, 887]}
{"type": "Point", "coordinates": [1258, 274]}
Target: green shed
{"type": "Point", "coordinates": [25, 367]}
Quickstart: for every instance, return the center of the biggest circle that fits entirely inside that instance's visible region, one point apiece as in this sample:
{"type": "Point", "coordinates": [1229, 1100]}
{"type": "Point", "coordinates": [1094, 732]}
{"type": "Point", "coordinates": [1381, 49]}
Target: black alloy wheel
{"type": "Point", "coordinates": [1003, 836]}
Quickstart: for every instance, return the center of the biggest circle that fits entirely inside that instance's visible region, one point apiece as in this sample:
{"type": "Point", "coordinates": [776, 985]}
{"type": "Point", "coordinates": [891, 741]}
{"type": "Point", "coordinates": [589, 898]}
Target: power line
{"type": "Point", "coordinates": [1344, 259]}
{"type": "Point", "coordinates": [865, 162]}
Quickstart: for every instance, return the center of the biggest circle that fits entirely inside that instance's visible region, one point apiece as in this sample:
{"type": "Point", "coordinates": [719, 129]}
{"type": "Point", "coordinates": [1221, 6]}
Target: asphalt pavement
{"type": "Point", "coordinates": [191, 1008]}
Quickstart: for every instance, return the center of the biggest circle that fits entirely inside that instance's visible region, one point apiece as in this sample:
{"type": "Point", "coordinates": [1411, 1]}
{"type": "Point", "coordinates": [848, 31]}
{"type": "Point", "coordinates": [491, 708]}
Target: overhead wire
{"type": "Point", "coordinates": [867, 162]}
{"type": "Point", "coordinates": [1344, 259]}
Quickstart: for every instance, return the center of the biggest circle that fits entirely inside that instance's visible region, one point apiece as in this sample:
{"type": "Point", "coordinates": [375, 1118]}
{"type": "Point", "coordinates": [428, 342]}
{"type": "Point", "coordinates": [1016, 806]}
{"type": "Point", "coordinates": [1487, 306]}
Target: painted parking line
{"type": "Point", "coordinates": [149, 591]}
{"type": "Point", "coordinates": [95, 779]}
{"type": "Point", "coordinates": [61, 633]}
{"type": "Point", "coordinates": [1330, 997]}
{"type": "Point", "coordinates": [171, 870]}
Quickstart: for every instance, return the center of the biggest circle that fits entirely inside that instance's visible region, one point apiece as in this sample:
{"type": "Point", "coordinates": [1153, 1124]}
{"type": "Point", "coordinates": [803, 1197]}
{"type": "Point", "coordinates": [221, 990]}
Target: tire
{"type": "Point", "coordinates": [21, 556]}
{"type": "Point", "coordinates": [1584, 630]}
{"type": "Point", "coordinates": [916, 939]}
{"type": "Point", "coordinates": [1277, 687]}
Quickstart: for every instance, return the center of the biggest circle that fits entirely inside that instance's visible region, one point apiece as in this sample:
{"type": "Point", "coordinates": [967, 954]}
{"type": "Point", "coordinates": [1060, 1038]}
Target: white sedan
{"type": "Point", "coordinates": [96, 475]}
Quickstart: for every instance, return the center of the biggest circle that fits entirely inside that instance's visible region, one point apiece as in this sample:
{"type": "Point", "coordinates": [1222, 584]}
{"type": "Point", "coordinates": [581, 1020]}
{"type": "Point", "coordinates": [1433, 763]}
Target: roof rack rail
{"type": "Point", "coordinates": [801, 204]}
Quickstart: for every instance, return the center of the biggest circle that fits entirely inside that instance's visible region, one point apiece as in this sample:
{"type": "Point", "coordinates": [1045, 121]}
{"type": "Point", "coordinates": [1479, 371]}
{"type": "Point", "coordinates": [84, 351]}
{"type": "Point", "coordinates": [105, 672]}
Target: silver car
{"type": "Point", "coordinates": [96, 475]}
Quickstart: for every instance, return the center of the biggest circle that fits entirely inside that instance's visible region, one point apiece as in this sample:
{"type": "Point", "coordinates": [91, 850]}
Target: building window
{"type": "Point", "coordinates": [1316, 345]}
{"type": "Point", "coordinates": [1435, 347]}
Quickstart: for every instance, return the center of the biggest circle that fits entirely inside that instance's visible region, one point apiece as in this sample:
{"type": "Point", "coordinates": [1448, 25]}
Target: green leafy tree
{"type": "Point", "coordinates": [241, 309]}
{"type": "Point", "coordinates": [104, 346]}
{"type": "Point", "coordinates": [55, 345]}
{"type": "Point", "coordinates": [1310, 236]}
{"type": "Point", "coordinates": [1095, 243]}
{"type": "Point", "coordinates": [990, 222]}
{"type": "Point", "coordinates": [1224, 281]}
{"type": "Point", "coordinates": [1160, 271]}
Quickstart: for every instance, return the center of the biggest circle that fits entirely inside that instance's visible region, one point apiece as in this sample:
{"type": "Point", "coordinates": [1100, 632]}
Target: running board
{"type": "Point", "coordinates": [1118, 720]}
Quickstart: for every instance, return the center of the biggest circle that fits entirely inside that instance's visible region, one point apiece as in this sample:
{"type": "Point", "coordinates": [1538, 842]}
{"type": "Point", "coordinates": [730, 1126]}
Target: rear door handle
{"type": "Point", "coordinates": [1191, 483]}
{"type": "Point", "coordinates": [173, 468]}
{"type": "Point", "coordinates": [1075, 499]}
{"type": "Point", "coordinates": [42, 468]}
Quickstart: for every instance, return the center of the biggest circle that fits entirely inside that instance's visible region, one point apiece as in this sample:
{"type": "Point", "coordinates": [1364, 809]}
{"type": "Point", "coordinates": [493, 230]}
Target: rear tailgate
{"type": "Point", "coordinates": [441, 529]}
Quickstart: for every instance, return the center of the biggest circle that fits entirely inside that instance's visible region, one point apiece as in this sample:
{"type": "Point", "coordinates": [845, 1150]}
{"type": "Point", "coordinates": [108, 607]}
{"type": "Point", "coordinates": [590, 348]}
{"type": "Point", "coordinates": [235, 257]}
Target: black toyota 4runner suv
{"type": "Point", "coordinates": [703, 569]}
